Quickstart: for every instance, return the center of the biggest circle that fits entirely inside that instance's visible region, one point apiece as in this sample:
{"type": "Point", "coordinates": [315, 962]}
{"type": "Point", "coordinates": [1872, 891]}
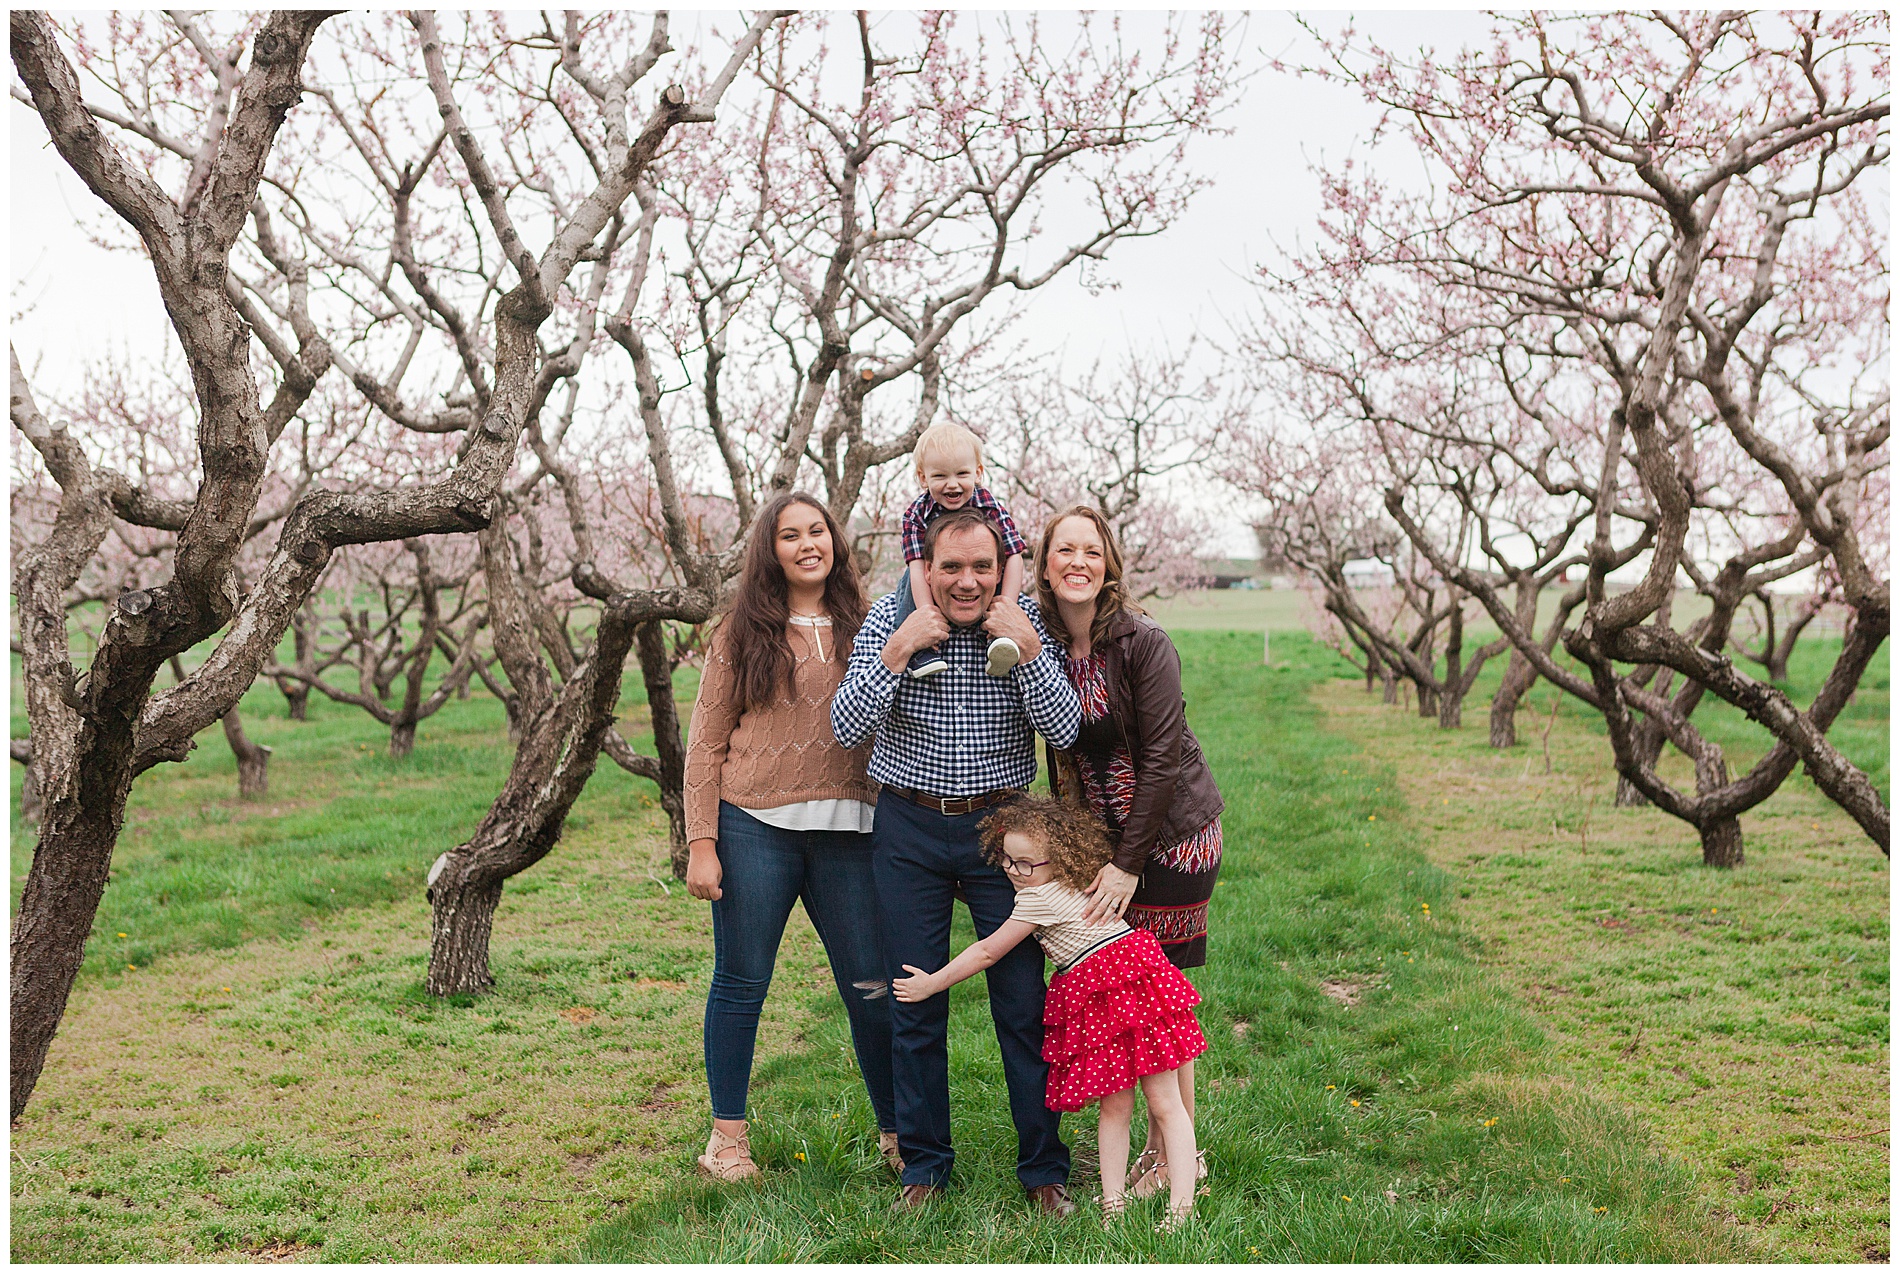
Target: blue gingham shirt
{"type": "Point", "coordinates": [961, 732]}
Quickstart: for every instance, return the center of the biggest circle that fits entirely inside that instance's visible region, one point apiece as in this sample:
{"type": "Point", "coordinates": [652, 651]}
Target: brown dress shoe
{"type": "Point", "coordinates": [1053, 1200]}
{"type": "Point", "coordinates": [912, 1198]}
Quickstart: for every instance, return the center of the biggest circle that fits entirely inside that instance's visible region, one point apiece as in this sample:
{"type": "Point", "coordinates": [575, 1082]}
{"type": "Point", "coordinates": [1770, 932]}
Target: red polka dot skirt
{"type": "Point", "coordinates": [1121, 1014]}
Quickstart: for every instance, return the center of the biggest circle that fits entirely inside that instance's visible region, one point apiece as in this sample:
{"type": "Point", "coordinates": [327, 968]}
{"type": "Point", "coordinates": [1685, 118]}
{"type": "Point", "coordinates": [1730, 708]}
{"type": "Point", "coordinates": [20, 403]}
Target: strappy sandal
{"type": "Point", "coordinates": [887, 1146]}
{"type": "Point", "coordinates": [1155, 1178]}
{"type": "Point", "coordinates": [1172, 1221]}
{"type": "Point", "coordinates": [1112, 1209]}
{"type": "Point", "coordinates": [730, 1168]}
{"type": "Point", "coordinates": [1146, 1173]}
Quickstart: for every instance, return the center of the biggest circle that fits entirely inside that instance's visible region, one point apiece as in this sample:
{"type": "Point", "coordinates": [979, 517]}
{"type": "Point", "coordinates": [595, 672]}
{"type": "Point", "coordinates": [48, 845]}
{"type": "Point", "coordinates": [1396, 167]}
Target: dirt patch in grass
{"type": "Point", "coordinates": [1743, 1014]}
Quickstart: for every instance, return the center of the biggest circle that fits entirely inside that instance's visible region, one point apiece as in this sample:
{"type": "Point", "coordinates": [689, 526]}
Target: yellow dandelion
{"type": "Point", "coordinates": [1346, 1197]}
{"type": "Point", "coordinates": [1372, 818]}
{"type": "Point", "coordinates": [1489, 1122]}
{"type": "Point", "coordinates": [1355, 1103]}
{"type": "Point", "coordinates": [224, 988]}
{"type": "Point", "coordinates": [1600, 1209]}
{"type": "Point", "coordinates": [799, 1155]}
{"type": "Point", "coordinates": [837, 1116]}
{"type": "Point", "coordinates": [131, 966]}
{"type": "Point", "coordinates": [1330, 1087]}
{"type": "Point", "coordinates": [1563, 1181]}
{"type": "Point", "coordinates": [1254, 1250]}
{"type": "Point", "coordinates": [123, 935]}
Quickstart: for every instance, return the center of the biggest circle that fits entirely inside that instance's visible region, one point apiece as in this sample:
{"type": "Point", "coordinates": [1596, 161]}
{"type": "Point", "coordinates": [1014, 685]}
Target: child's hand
{"type": "Point", "coordinates": [919, 986]}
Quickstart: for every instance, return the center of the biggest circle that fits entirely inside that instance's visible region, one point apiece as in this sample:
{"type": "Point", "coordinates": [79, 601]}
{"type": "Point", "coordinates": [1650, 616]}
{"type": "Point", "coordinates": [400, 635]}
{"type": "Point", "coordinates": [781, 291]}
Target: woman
{"type": "Point", "coordinates": [777, 811]}
{"type": "Point", "coordinates": [1135, 763]}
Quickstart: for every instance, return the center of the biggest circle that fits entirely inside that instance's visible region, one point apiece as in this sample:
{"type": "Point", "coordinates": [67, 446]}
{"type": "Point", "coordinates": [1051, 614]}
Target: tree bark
{"type": "Point", "coordinates": [463, 918]}
{"type": "Point", "coordinates": [656, 672]}
{"type": "Point", "coordinates": [297, 693]}
{"type": "Point", "coordinates": [30, 805]}
{"type": "Point", "coordinates": [253, 759]}
{"type": "Point", "coordinates": [559, 748]}
{"type": "Point", "coordinates": [1519, 677]}
{"type": "Point", "coordinates": [402, 738]}
{"type": "Point", "coordinates": [1722, 843]}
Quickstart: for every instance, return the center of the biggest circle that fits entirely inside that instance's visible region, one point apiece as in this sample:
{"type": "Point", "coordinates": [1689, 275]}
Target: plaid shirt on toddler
{"type": "Point", "coordinates": [961, 732]}
{"type": "Point", "coordinates": [924, 510]}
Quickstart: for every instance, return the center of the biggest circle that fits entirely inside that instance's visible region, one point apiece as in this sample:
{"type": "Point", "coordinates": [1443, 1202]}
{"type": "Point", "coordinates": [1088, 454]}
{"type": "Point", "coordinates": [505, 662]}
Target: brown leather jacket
{"type": "Point", "coordinates": [1175, 794]}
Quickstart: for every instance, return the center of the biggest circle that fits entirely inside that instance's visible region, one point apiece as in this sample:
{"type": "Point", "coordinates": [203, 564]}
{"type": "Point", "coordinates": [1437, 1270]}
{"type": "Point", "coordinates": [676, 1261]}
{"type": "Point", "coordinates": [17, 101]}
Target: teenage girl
{"type": "Point", "coordinates": [1118, 1012]}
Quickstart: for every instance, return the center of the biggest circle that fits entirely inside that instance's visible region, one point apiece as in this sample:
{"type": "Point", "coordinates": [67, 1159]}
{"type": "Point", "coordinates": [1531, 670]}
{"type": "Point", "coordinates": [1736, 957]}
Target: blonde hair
{"type": "Point", "coordinates": [947, 437]}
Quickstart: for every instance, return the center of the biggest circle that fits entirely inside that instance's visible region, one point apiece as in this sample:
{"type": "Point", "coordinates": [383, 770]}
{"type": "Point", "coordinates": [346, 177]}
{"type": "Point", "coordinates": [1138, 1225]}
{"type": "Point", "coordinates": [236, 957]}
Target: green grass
{"type": "Point", "coordinates": [1334, 1134]}
{"type": "Point", "coordinates": [271, 1081]}
{"type": "Point", "coordinates": [344, 825]}
{"type": "Point", "coordinates": [1743, 1014]}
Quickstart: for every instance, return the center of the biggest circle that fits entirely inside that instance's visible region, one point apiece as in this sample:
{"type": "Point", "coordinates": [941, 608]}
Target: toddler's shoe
{"type": "Point", "coordinates": [927, 663]}
{"type": "Point", "coordinates": [1004, 655]}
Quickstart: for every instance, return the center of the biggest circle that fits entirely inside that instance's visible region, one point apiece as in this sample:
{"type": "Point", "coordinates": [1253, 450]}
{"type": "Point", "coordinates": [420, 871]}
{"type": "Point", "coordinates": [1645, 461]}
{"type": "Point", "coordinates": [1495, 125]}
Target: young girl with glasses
{"type": "Point", "coordinates": [1118, 1012]}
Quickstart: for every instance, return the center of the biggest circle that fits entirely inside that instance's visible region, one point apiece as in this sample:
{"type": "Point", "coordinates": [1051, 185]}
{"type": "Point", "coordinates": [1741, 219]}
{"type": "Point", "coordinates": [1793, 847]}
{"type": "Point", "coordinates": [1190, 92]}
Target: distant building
{"type": "Point", "coordinates": [1367, 572]}
{"type": "Point", "coordinates": [1229, 572]}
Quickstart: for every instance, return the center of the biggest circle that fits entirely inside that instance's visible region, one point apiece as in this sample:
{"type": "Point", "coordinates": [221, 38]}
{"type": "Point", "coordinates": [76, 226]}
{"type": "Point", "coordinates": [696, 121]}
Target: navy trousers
{"type": "Point", "coordinates": [919, 857]}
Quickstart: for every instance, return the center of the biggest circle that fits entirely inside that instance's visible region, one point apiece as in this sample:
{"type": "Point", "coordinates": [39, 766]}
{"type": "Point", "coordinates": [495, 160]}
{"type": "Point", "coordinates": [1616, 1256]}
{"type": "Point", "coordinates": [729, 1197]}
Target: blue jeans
{"type": "Point", "coordinates": [764, 870]}
{"type": "Point", "coordinates": [921, 858]}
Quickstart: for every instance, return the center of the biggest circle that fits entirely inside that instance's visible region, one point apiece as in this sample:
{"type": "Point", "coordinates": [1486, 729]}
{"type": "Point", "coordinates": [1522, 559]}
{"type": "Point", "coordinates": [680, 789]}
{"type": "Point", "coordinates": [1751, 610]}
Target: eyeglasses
{"type": "Point", "coordinates": [1018, 867]}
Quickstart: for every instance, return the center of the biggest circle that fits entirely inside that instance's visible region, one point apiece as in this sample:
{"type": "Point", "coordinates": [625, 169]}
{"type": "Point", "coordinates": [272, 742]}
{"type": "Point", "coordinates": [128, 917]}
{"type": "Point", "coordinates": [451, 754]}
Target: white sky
{"type": "Point", "coordinates": [72, 302]}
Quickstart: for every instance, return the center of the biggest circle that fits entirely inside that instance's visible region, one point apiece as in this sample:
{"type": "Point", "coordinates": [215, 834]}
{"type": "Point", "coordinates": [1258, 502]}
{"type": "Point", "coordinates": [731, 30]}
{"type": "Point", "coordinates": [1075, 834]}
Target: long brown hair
{"type": "Point", "coordinates": [1109, 602]}
{"type": "Point", "coordinates": [754, 626]}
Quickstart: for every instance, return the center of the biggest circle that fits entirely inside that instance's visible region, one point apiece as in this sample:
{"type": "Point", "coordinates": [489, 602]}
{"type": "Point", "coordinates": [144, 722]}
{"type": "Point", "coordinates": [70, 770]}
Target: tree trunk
{"type": "Point", "coordinates": [656, 673]}
{"type": "Point", "coordinates": [22, 751]}
{"type": "Point", "coordinates": [1722, 843]}
{"type": "Point", "coordinates": [1649, 741]}
{"type": "Point", "coordinates": [560, 745]}
{"type": "Point", "coordinates": [253, 759]}
{"type": "Point", "coordinates": [464, 921]}
{"type": "Point", "coordinates": [1427, 700]}
{"type": "Point", "coordinates": [297, 693]}
{"type": "Point", "coordinates": [63, 888]}
{"type": "Point", "coordinates": [1519, 677]}
{"type": "Point", "coordinates": [402, 738]}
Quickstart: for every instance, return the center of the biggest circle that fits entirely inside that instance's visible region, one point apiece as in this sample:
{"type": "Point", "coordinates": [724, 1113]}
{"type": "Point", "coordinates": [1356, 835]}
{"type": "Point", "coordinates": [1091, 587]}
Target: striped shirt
{"type": "Point", "coordinates": [1057, 912]}
{"type": "Point", "coordinates": [961, 732]}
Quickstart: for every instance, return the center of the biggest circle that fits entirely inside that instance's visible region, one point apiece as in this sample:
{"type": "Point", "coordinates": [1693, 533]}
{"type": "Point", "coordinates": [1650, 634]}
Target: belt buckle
{"type": "Point", "coordinates": [966, 802]}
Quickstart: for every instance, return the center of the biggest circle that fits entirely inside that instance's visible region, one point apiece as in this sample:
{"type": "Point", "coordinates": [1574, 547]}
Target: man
{"type": "Point", "coordinates": [948, 750]}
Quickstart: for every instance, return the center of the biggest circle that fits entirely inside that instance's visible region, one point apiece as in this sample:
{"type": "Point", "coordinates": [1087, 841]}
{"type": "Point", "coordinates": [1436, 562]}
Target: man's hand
{"type": "Point", "coordinates": [1111, 891]}
{"type": "Point", "coordinates": [918, 986]}
{"type": "Point", "coordinates": [1006, 619]}
{"type": "Point", "coordinates": [703, 872]}
{"type": "Point", "coordinates": [922, 630]}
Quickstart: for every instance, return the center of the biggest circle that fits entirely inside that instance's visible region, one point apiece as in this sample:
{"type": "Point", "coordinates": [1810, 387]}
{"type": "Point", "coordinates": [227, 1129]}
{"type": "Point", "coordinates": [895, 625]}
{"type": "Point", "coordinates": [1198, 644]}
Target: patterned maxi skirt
{"type": "Point", "coordinates": [1121, 1014]}
{"type": "Point", "coordinates": [1171, 901]}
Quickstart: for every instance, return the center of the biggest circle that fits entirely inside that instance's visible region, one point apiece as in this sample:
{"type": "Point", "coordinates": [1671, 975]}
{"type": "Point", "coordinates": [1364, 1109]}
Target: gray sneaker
{"type": "Point", "coordinates": [1004, 655]}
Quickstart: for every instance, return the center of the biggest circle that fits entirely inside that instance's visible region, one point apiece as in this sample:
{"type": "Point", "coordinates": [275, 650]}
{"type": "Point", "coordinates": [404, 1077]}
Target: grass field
{"type": "Point", "coordinates": [270, 1081]}
{"type": "Point", "coordinates": [1744, 1015]}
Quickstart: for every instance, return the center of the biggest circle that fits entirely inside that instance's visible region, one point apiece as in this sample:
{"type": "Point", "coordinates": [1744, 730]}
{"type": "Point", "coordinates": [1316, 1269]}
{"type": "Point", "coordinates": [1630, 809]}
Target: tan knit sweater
{"type": "Point", "coordinates": [785, 754]}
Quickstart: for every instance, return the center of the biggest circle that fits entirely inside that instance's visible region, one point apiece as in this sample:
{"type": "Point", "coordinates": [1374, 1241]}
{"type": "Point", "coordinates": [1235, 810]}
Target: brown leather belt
{"type": "Point", "coordinates": [951, 806]}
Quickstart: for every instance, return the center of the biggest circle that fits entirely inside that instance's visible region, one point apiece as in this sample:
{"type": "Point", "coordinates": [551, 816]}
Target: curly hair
{"type": "Point", "coordinates": [1076, 843]}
